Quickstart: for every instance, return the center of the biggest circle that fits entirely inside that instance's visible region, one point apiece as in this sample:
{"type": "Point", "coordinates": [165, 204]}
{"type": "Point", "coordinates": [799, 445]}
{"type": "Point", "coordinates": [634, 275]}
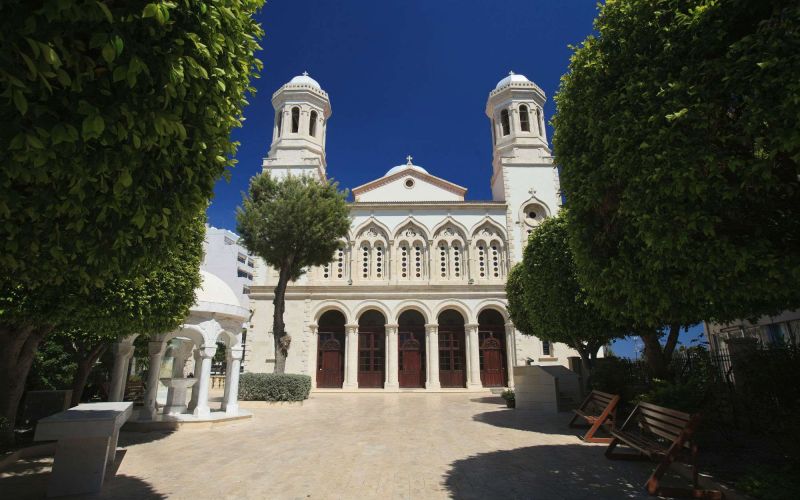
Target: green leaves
{"type": "Point", "coordinates": [677, 137]}
{"type": "Point", "coordinates": [97, 100]}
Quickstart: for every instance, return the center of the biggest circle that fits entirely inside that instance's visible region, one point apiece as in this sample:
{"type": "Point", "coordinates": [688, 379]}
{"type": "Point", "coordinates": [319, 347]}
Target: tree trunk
{"type": "Point", "coordinates": [85, 365]}
{"type": "Point", "coordinates": [280, 338]}
{"type": "Point", "coordinates": [588, 357]}
{"type": "Point", "coordinates": [17, 350]}
{"type": "Point", "coordinates": [658, 357]}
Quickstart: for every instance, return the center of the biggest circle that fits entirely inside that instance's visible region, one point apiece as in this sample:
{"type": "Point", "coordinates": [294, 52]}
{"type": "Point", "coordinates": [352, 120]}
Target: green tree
{"type": "Point", "coordinates": [292, 224]}
{"type": "Point", "coordinates": [154, 303]}
{"type": "Point", "coordinates": [676, 133]}
{"type": "Point", "coordinates": [116, 123]}
{"type": "Point", "coordinates": [546, 300]}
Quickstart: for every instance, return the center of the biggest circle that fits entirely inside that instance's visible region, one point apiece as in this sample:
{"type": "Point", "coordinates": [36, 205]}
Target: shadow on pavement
{"type": "Point", "coordinates": [524, 420]}
{"type": "Point", "coordinates": [544, 472]}
{"type": "Point", "coordinates": [496, 400]}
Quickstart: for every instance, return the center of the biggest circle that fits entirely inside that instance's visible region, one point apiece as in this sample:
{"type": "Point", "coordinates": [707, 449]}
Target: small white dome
{"type": "Point", "coordinates": [398, 168]}
{"type": "Point", "coordinates": [304, 79]}
{"type": "Point", "coordinates": [213, 289]}
{"type": "Point", "coordinates": [512, 78]}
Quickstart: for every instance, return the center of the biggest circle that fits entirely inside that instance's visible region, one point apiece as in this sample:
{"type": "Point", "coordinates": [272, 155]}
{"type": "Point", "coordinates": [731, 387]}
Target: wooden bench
{"type": "Point", "coordinates": [660, 434]}
{"type": "Point", "coordinates": [598, 409]}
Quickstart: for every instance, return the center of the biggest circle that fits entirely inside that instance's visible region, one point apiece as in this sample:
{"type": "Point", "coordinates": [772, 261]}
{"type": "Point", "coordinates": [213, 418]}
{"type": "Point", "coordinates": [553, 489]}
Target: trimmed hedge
{"type": "Point", "coordinates": [274, 387]}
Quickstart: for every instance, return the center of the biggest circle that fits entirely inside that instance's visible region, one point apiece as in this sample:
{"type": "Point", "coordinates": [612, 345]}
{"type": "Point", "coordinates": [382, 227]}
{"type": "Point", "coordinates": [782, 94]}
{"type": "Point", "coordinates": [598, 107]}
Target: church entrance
{"type": "Point", "coordinates": [371, 349]}
{"type": "Point", "coordinates": [492, 352]}
{"type": "Point", "coordinates": [411, 346]}
{"type": "Point", "coordinates": [330, 350]}
{"type": "Point", "coordinates": [452, 355]}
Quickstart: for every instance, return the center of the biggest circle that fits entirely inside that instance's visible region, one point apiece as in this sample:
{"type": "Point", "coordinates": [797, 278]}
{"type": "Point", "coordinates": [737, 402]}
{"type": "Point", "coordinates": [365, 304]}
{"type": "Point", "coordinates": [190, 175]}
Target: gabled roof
{"type": "Point", "coordinates": [410, 171]}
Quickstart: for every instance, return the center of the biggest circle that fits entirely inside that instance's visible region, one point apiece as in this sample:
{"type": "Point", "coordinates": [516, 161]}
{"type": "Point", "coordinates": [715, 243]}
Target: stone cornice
{"type": "Point", "coordinates": [427, 204]}
{"type": "Point", "coordinates": [422, 291]}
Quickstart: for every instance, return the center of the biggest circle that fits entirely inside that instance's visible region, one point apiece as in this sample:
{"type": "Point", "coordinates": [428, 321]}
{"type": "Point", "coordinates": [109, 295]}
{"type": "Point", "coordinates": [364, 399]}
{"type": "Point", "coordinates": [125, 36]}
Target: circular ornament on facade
{"type": "Point", "coordinates": [409, 183]}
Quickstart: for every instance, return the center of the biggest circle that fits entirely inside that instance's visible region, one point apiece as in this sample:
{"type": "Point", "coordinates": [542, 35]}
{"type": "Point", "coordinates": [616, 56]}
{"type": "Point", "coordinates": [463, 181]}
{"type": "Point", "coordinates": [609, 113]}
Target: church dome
{"type": "Point", "coordinates": [511, 78]}
{"type": "Point", "coordinates": [213, 290]}
{"type": "Point", "coordinates": [304, 79]}
{"type": "Point", "coordinates": [408, 164]}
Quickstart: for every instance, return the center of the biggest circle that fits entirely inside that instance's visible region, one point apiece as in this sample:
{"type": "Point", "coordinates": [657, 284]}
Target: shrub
{"type": "Point", "coordinates": [508, 395]}
{"type": "Point", "coordinates": [274, 387]}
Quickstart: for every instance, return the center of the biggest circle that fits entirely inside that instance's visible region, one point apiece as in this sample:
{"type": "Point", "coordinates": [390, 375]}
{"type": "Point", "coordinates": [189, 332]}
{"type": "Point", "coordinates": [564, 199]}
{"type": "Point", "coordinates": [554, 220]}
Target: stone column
{"type": "Point", "coordinates": [511, 353]}
{"type": "Point", "coordinates": [473, 356]}
{"type": "Point", "coordinates": [155, 350]}
{"type": "Point", "coordinates": [201, 410]}
{"type": "Point", "coordinates": [196, 386]}
{"type": "Point", "coordinates": [123, 351]}
{"type": "Point", "coordinates": [351, 356]}
{"type": "Point", "coordinates": [231, 401]}
{"type": "Point", "coordinates": [313, 347]}
{"type": "Point", "coordinates": [181, 354]}
{"type": "Point", "coordinates": [432, 334]}
{"type": "Point", "coordinates": [392, 353]}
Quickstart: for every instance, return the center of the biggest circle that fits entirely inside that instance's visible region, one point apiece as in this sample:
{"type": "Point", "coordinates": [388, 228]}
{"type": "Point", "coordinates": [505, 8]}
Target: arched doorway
{"type": "Point", "coordinates": [330, 350]}
{"type": "Point", "coordinates": [371, 349]}
{"type": "Point", "coordinates": [411, 346]}
{"type": "Point", "coordinates": [492, 348]}
{"type": "Point", "coordinates": [452, 356]}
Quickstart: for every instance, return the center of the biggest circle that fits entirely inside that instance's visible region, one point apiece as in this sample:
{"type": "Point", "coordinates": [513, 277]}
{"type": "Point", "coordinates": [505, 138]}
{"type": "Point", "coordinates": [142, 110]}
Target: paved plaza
{"type": "Point", "coordinates": [363, 446]}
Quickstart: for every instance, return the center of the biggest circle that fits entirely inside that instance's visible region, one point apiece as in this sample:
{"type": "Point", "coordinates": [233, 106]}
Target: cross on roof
{"type": "Point", "coordinates": [408, 159]}
{"type": "Point", "coordinates": [510, 73]}
{"type": "Point", "coordinates": [305, 73]}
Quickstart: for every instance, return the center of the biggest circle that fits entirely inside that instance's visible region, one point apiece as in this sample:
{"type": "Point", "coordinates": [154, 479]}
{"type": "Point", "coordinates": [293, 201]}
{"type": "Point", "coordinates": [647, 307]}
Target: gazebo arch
{"type": "Point", "coordinates": [216, 316]}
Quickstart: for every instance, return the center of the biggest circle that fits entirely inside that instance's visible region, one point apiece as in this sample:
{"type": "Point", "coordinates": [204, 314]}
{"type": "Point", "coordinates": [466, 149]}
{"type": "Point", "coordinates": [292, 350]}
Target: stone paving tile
{"type": "Point", "coordinates": [345, 446]}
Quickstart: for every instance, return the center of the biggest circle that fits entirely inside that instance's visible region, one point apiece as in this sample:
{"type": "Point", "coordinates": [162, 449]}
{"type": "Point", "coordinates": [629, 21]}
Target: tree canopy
{"type": "Point", "coordinates": [546, 300]}
{"type": "Point", "coordinates": [676, 133]}
{"type": "Point", "coordinates": [116, 123]}
{"type": "Point", "coordinates": [292, 223]}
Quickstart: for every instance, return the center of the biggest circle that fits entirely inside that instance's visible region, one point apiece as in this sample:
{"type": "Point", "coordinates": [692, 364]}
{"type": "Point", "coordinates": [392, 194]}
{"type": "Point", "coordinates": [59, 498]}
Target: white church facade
{"type": "Point", "coordinates": [415, 298]}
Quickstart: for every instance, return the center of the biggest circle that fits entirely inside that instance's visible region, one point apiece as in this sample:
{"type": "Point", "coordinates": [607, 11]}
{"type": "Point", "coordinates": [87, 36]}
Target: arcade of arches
{"type": "Point", "coordinates": [411, 354]}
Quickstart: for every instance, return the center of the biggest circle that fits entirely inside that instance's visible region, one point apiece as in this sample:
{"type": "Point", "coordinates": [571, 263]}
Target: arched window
{"type": "Point", "coordinates": [524, 119]}
{"type": "Point", "coordinates": [404, 261]}
{"type": "Point", "coordinates": [418, 260]}
{"type": "Point", "coordinates": [481, 259]}
{"type": "Point", "coordinates": [504, 122]}
{"type": "Point", "coordinates": [378, 254]}
{"type": "Point", "coordinates": [312, 124]}
{"type": "Point", "coordinates": [295, 120]}
{"type": "Point", "coordinates": [456, 254]}
{"type": "Point", "coordinates": [280, 122]}
{"type": "Point", "coordinates": [443, 259]}
{"type": "Point", "coordinates": [495, 260]}
{"type": "Point", "coordinates": [540, 120]}
{"type": "Point", "coordinates": [365, 260]}
{"type": "Point", "coordinates": [334, 270]}
{"type": "Point", "coordinates": [494, 132]}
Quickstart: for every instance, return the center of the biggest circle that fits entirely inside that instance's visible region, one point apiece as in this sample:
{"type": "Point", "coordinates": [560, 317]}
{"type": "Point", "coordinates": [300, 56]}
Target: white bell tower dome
{"type": "Point", "coordinates": [523, 174]}
{"type": "Point", "coordinates": [302, 110]}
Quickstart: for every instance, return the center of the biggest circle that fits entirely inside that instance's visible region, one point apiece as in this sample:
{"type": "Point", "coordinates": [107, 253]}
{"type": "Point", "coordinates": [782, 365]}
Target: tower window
{"type": "Point", "coordinates": [494, 132]}
{"type": "Point", "coordinates": [312, 124]}
{"type": "Point", "coordinates": [547, 348]}
{"type": "Point", "coordinates": [540, 120]}
{"type": "Point", "coordinates": [524, 119]}
{"type": "Point", "coordinates": [295, 120]}
{"type": "Point", "coordinates": [504, 122]}
{"type": "Point", "coordinates": [280, 122]}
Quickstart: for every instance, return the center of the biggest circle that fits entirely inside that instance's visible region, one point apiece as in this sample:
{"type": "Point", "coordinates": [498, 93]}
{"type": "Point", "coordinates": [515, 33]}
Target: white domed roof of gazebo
{"type": "Point", "coordinates": [215, 296]}
{"type": "Point", "coordinates": [304, 79]}
{"type": "Point", "coordinates": [511, 78]}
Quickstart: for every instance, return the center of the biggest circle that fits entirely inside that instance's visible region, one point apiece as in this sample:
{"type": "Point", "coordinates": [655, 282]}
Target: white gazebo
{"type": "Point", "coordinates": [216, 316]}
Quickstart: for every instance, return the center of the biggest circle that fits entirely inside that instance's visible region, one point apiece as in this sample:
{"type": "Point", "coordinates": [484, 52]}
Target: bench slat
{"type": "Point", "coordinates": [666, 411]}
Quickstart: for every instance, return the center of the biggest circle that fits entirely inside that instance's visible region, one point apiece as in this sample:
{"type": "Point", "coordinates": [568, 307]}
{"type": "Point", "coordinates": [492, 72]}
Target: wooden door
{"type": "Point", "coordinates": [411, 356]}
{"type": "Point", "coordinates": [452, 366]}
{"type": "Point", "coordinates": [492, 360]}
{"type": "Point", "coordinates": [371, 358]}
{"type": "Point", "coordinates": [330, 361]}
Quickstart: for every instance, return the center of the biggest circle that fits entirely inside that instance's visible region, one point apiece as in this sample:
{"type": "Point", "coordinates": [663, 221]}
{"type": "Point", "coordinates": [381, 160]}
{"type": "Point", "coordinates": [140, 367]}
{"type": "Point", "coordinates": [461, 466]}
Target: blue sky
{"type": "Point", "coordinates": [404, 77]}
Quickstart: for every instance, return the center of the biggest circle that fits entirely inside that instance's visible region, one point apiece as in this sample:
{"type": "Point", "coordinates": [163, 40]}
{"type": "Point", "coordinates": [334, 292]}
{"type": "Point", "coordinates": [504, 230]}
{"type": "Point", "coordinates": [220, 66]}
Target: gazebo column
{"type": "Point", "coordinates": [202, 410]}
{"type": "Point", "coordinates": [196, 386]}
{"type": "Point", "coordinates": [230, 402]}
{"type": "Point", "coordinates": [432, 337]}
{"type": "Point", "coordinates": [155, 350]}
{"type": "Point", "coordinates": [473, 356]}
{"type": "Point", "coordinates": [351, 356]}
{"type": "Point", "coordinates": [123, 352]}
{"type": "Point", "coordinates": [391, 357]}
{"type": "Point", "coordinates": [511, 353]}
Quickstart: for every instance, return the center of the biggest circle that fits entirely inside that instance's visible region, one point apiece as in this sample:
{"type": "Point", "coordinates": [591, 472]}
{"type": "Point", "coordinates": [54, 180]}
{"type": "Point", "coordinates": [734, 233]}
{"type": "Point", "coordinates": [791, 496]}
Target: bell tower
{"type": "Point", "coordinates": [302, 110]}
{"type": "Point", "coordinates": [523, 174]}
